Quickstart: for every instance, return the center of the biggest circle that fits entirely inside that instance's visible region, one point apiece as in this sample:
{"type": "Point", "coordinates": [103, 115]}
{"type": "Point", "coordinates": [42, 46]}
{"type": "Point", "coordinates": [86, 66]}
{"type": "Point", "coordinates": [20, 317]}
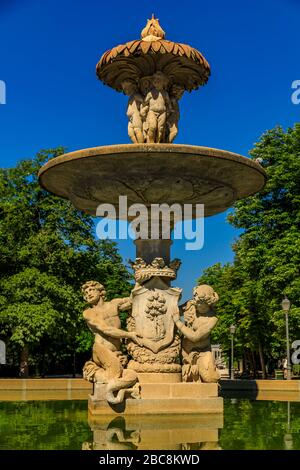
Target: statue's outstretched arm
{"type": "Point", "coordinates": [100, 326]}
{"type": "Point", "coordinates": [124, 304]}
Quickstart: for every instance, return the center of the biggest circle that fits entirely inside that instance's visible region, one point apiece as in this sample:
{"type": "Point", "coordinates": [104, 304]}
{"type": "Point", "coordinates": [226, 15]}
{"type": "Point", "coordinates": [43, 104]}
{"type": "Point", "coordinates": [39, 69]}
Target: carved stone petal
{"type": "Point", "coordinates": [168, 45]}
{"type": "Point", "coordinates": [175, 49]}
{"type": "Point", "coordinates": [187, 50]}
{"type": "Point", "coordinates": [121, 48]}
{"type": "Point", "coordinates": [134, 46]}
{"type": "Point", "coordinates": [145, 46]}
{"type": "Point", "coordinates": [103, 58]}
{"type": "Point", "coordinates": [114, 52]}
{"type": "Point", "coordinates": [129, 44]}
{"type": "Point", "coordinates": [181, 51]}
{"type": "Point", "coordinates": [108, 58]}
{"type": "Point", "coordinates": [199, 57]}
{"type": "Point", "coordinates": [155, 46]}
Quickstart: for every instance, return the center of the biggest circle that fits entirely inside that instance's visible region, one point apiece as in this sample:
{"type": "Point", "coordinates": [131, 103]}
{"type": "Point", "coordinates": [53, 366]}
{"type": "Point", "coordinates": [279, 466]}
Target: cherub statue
{"type": "Point", "coordinates": [108, 362]}
{"type": "Point", "coordinates": [135, 125]}
{"type": "Point", "coordinates": [176, 93]}
{"type": "Point", "coordinates": [200, 318]}
{"type": "Point", "coordinates": [154, 108]}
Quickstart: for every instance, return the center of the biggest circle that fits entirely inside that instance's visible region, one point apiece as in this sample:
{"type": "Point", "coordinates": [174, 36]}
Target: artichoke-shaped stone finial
{"type": "Point", "coordinates": [152, 30]}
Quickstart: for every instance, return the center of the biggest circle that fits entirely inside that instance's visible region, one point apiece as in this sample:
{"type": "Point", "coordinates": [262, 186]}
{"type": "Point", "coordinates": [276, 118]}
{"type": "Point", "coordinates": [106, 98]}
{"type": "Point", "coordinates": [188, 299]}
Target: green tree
{"type": "Point", "coordinates": [267, 254]}
{"type": "Point", "coordinates": [47, 251]}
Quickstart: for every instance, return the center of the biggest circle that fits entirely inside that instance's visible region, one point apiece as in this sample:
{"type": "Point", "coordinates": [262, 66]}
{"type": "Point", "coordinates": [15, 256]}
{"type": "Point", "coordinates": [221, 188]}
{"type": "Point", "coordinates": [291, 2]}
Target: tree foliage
{"type": "Point", "coordinates": [267, 254]}
{"type": "Point", "coordinates": [47, 251]}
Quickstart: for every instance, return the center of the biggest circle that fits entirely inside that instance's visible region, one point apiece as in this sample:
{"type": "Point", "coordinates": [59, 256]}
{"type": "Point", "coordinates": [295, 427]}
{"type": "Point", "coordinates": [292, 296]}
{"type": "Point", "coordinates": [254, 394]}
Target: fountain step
{"type": "Point", "coordinates": [159, 406]}
{"type": "Point", "coordinates": [179, 390]}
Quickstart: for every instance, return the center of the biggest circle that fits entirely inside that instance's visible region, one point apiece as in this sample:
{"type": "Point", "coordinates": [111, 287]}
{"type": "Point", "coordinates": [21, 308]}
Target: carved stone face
{"type": "Point", "coordinates": [92, 295]}
{"type": "Point", "coordinates": [129, 87]}
{"type": "Point", "coordinates": [145, 85]}
{"type": "Point", "coordinates": [205, 298]}
{"type": "Point", "coordinates": [159, 81]}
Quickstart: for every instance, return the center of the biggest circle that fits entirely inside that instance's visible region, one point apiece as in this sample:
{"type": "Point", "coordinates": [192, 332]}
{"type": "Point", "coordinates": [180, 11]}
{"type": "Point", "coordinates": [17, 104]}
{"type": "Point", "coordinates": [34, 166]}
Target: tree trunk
{"type": "Point", "coordinates": [245, 362]}
{"type": "Point", "coordinates": [74, 365]}
{"type": "Point", "coordinates": [253, 364]}
{"type": "Point", "coordinates": [24, 362]}
{"type": "Point", "coordinates": [43, 365]}
{"type": "Point", "coordinates": [262, 360]}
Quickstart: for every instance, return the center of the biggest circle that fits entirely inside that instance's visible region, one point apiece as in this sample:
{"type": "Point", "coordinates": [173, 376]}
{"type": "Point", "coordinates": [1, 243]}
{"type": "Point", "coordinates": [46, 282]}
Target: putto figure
{"type": "Point", "coordinates": [176, 93]}
{"type": "Point", "coordinates": [135, 125]}
{"type": "Point", "coordinates": [148, 108]}
{"type": "Point", "coordinates": [200, 318]}
{"type": "Point", "coordinates": [108, 362]}
{"type": "Point", "coordinates": [155, 107]}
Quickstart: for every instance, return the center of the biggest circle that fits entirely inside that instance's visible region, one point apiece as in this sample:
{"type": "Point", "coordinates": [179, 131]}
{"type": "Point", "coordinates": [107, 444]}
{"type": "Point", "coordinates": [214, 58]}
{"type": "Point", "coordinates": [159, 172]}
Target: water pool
{"type": "Point", "coordinates": [248, 424]}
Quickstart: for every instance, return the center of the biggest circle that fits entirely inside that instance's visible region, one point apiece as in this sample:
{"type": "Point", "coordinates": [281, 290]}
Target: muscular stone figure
{"type": "Point", "coordinates": [107, 365]}
{"type": "Point", "coordinates": [200, 319]}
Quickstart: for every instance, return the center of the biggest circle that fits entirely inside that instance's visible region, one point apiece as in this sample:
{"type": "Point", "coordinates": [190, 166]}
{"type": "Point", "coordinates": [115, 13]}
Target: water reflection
{"type": "Point", "coordinates": [261, 425]}
{"type": "Point", "coordinates": [248, 424]}
{"type": "Point", "coordinates": [173, 432]}
{"type": "Point", "coordinates": [114, 437]}
{"type": "Point", "coordinates": [288, 438]}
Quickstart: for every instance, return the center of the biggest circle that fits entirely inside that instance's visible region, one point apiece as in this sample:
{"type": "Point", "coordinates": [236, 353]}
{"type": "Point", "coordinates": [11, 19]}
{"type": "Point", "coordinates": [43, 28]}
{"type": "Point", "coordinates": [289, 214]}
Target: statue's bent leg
{"type": "Point", "coordinates": [107, 359]}
{"type": "Point", "coordinates": [122, 386]}
{"type": "Point", "coordinates": [152, 127]}
{"type": "Point", "coordinates": [207, 368]}
{"type": "Point", "coordinates": [173, 131]}
{"type": "Point", "coordinates": [131, 133]}
{"type": "Point", "coordinates": [161, 124]}
{"type": "Point", "coordinates": [139, 135]}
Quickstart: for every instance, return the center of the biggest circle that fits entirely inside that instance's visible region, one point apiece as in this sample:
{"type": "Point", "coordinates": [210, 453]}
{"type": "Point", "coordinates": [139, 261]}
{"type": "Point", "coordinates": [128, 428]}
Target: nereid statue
{"type": "Point", "coordinates": [108, 362]}
{"type": "Point", "coordinates": [200, 318]}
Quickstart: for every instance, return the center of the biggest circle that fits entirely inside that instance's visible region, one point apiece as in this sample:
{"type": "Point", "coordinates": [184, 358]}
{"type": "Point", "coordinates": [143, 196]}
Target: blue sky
{"type": "Point", "coordinates": [49, 50]}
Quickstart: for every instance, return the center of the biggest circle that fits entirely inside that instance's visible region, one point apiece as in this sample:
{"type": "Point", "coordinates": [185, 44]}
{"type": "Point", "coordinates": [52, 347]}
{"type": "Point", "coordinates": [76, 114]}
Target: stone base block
{"type": "Point", "coordinates": [148, 406]}
{"type": "Point", "coordinates": [158, 378]}
{"type": "Point", "coordinates": [165, 388]}
{"type": "Point", "coordinates": [162, 398]}
{"type": "Point", "coordinates": [179, 390]}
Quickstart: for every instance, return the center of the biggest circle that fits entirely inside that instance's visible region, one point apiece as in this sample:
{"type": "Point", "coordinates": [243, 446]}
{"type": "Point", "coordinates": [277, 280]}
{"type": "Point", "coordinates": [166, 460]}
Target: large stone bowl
{"type": "Point", "coordinates": [152, 174]}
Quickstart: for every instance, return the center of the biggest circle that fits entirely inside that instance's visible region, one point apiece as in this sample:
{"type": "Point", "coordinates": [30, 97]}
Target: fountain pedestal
{"type": "Point", "coordinates": [158, 398]}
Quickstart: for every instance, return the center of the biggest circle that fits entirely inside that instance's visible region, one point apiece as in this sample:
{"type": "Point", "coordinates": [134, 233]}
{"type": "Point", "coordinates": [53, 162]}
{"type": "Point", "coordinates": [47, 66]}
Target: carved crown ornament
{"type": "Point", "coordinates": [181, 63]}
{"type": "Point", "coordinates": [157, 268]}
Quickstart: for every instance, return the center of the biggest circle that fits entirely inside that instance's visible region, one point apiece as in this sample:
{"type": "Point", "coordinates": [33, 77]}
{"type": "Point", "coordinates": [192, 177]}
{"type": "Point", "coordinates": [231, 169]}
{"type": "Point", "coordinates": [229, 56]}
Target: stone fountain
{"type": "Point", "coordinates": [162, 363]}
